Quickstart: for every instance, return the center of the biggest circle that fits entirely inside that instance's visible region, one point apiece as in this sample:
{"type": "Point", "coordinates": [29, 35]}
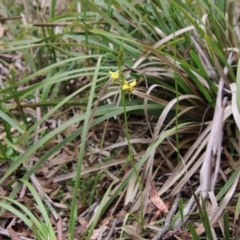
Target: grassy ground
{"type": "Point", "coordinates": [119, 119]}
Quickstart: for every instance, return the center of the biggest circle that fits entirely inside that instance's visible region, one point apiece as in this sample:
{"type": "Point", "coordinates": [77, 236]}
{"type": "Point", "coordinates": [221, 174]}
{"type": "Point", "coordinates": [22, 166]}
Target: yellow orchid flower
{"type": "Point", "coordinates": [114, 75]}
{"type": "Point", "coordinates": [129, 86]}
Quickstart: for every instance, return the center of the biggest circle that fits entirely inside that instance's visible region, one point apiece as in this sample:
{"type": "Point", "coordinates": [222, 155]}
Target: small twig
{"type": "Point", "coordinates": [4, 232]}
{"type": "Point", "coordinates": [115, 221]}
{"type": "Point", "coordinates": [168, 219]}
{"type": "Point", "coordinates": [12, 222]}
{"type": "Point", "coordinates": [10, 18]}
{"type": "Point", "coordinates": [90, 209]}
{"type": "Point", "coordinates": [59, 229]}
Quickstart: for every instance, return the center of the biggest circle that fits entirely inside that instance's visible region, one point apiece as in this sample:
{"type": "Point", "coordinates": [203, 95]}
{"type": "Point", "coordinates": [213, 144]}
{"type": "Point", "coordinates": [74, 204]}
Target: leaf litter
{"type": "Point", "coordinates": [107, 158]}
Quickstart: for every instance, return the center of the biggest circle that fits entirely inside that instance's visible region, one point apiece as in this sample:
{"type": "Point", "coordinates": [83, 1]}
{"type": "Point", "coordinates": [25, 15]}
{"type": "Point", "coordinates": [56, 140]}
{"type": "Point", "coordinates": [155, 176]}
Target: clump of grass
{"type": "Point", "coordinates": [172, 111]}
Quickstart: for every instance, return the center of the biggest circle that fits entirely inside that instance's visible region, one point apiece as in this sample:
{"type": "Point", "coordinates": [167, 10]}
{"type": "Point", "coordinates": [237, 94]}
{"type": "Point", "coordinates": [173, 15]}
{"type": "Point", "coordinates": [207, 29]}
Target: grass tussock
{"type": "Point", "coordinates": [119, 119]}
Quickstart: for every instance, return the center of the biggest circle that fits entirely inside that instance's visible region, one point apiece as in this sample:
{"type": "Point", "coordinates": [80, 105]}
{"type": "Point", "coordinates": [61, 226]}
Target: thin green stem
{"type": "Point", "coordinates": [176, 88]}
{"type": "Point", "coordinates": [130, 153]}
{"type": "Point", "coordinates": [73, 215]}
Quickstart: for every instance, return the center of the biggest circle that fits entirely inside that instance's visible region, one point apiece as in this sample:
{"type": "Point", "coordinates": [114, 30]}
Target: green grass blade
{"type": "Point", "coordinates": [52, 8]}
{"type": "Point", "coordinates": [238, 86]}
{"type": "Point", "coordinates": [226, 226]}
{"type": "Point", "coordinates": [29, 222]}
{"type": "Point", "coordinates": [193, 231]}
{"type": "Point", "coordinates": [82, 151]}
{"type": "Point", "coordinates": [205, 220]}
{"type": "Point", "coordinates": [47, 221]}
{"type": "Point", "coordinates": [10, 121]}
{"type": "Point", "coordinates": [228, 184]}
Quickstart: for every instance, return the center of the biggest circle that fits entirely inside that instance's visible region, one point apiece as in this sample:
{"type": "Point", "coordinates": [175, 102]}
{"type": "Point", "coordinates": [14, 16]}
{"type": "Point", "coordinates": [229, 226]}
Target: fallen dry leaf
{"type": "Point", "coordinates": [13, 234]}
{"type": "Point", "coordinates": [155, 216]}
{"type": "Point", "coordinates": [156, 200]}
{"type": "Point", "coordinates": [133, 230]}
{"type": "Point", "coordinates": [97, 232]}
